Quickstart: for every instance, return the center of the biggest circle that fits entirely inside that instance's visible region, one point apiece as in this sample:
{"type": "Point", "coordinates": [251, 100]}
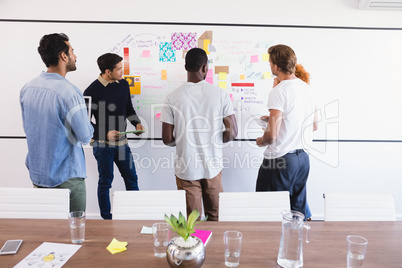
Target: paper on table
{"type": "Point", "coordinates": [146, 230]}
{"type": "Point", "coordinates": [204, 235]}
{"type": "Point", "coordinates": [49, 254]}
{"type": "Point", "coordinates": [116, 246]}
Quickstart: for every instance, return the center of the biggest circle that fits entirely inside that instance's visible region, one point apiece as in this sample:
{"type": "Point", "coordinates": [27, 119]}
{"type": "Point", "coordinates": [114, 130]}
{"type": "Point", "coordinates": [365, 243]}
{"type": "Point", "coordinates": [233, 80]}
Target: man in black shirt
{"type": "Point", "coordinates": [112, 107]}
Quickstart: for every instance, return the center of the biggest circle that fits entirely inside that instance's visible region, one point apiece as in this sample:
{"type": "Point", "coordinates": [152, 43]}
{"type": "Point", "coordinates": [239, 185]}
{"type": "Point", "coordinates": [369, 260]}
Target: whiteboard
{"type": "Point", "coordinates": [354, 72]}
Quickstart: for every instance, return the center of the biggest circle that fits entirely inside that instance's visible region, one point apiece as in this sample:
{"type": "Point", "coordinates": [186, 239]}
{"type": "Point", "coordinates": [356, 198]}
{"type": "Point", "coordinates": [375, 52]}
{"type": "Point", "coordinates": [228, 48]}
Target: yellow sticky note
{"type": "Point", "coordinates": [242, 76]}
{"type": "Point", "coordinates": [265, 57]}
{"type": "Point", "coordinates": [164, 77]}
{"type": "Point", "coordinates": [134, 82]}
{"type": "Point", "coordinates": [222, 84]}
{"type": "Point", "coordinates": [206, 45]}
{"type": "Point", "coordinates": [222, 76]}
{"type": "Point", "coordinates": [267, 75]}
{"type": "Point", "coordinates": [116, 246]}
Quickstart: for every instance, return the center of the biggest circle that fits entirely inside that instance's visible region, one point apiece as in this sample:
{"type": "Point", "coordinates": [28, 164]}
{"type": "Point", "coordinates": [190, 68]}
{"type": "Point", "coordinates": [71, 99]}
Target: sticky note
{"type": "Point", "coordinates": [254, 59]}
{"type": "Point", "coordinates": [222, 84]}
{"type": "Point", "coordinates": [163, 72]}
{"type": "Point", "coordinates": [158, 115]}
{"type": "Point", "coordinates": [267, 75]}
{"type": "Point", "coordinates": [206, 45]}
{"type": "Point", "coordinates": [221, 69]}
{"type": "Point", "coordinates": [116, 246]}
{"type": "Point", "coordinates": [210, 72]}
{"type": "Point", "coordinates": [209, 79]}
{"type": "Point", "coordinates": [231, 96]}
{"type": "Point", "coordinates": [265, 57]}
{"type": "Point", "coordinates": [242, 76]}
{"type": "Point", "coordinates": [134, 82]}
{"type": "Point", "coordinates": [146, 53]}
{"type": "Point", "coordinates": [222, 76]}
{"type": "Point", "coordinates": [164, 77]}
{"type": "Point", "coordinates": [146, 230]}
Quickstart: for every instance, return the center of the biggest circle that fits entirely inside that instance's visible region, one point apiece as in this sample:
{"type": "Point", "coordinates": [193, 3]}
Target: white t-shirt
{"type": "Point", "coordinates": [197, 110]}
{"type": "Point", "coordinates": [295, 100]}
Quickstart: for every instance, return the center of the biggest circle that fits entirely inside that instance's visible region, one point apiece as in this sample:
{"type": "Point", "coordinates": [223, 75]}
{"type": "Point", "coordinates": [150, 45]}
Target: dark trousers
{"type": "Point", "coordinates": [106, 155]}
{"type": "Point", "coordinates": [286, 173]}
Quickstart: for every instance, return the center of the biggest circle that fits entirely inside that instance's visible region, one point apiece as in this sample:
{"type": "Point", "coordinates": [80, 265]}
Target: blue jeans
{"type": "Point", "coordinates": [105, 156]}
{"type": "Point", "coordinates": [287, 173]}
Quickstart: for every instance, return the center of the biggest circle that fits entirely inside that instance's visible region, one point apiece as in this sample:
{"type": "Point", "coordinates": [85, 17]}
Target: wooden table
{"type": "Point", "coordinates": [327, 247]}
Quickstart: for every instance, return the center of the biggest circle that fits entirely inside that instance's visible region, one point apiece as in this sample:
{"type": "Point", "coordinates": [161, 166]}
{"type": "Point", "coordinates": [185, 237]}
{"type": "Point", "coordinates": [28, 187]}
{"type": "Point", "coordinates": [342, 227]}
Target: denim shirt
{"type": "Point", "coordinates": [56, 124]}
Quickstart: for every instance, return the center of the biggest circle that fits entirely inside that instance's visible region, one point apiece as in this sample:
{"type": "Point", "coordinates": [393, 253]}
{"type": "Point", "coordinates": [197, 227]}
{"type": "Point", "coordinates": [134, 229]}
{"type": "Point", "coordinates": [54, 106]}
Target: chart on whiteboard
{"type": "Point", "coordinates": [154, 66]}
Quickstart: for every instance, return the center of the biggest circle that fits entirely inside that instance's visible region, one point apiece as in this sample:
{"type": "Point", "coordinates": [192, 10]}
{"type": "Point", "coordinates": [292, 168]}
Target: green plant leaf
{"type": "Point", "coordinates": [192, 218]}
{"type": "Point", "coordinates": [174, 221]}
{"type": "Point", "coordinates": [182, 232]}
{"type": "Point", "coordinates": [206, 217]}
{"type": "Point", "coordinates": [182, 220]}
{"type": "Point", "coordinates": [167, 219]}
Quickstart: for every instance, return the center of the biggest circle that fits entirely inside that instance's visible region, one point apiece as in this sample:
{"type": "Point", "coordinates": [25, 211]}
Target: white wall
{"type": "Point", "coordinates": [344, 167]}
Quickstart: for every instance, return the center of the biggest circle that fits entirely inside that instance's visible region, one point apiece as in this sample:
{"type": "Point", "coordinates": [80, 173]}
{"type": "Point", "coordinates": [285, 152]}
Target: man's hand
{"type": "Point", "coordinates": [113, 135]}
{"type": "Point", "coordinates": [139, 127]}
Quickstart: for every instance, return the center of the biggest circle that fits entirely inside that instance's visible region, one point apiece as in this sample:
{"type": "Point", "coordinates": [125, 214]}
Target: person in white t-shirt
{"type": "Point", "coordinates": [198, 118]}
{"type": "Point", "coordinates": [291, 123]}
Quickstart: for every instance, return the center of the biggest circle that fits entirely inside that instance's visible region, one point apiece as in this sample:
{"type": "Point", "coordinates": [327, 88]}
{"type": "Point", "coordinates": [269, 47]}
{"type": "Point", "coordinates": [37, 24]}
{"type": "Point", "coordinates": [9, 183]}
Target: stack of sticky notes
{"type": "Point", "coordinates": [116, 246]}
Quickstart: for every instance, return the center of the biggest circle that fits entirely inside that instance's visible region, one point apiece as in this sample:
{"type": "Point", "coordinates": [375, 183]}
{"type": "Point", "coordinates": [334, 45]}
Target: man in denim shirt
{"type": "Point", "coordinates": [56, 123]}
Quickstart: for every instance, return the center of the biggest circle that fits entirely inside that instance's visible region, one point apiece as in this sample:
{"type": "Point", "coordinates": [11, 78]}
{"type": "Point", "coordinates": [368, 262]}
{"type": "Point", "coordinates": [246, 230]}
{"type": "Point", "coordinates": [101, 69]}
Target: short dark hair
{"type": "Point", "coordinates": [108, 61]}
{"type": "Point", "coordinates": [284, 57]}
{"type": "Point", "coordinates": [195, 58]}
{"type": "Point", "coordinates": [50, 47]}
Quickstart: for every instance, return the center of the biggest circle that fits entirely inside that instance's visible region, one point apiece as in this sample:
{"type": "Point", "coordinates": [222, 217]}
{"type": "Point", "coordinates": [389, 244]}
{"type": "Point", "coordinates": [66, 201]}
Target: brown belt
{"type": "Point", "coordinates": [113, 143]}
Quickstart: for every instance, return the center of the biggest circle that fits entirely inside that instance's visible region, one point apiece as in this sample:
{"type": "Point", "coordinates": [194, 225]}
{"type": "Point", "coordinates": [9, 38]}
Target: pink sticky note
{"type": "Point", "coordinates": [209, 79]}
{"type": "Point", "coordinates": [231, 96]}
{"type": "Point", "coordinates": [210, 73]}
{"type": "Point", "coordinates": [157, 116]}
{"type": "Point", "coordinates": [146, 53]}
{"type": "Point", "coordinates": [254, 59]}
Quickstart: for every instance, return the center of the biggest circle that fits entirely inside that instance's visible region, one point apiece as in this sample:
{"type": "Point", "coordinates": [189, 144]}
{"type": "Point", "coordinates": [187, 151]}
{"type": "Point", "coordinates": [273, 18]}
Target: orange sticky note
{"type": "Point", "coordinates": [242, 77]}
{"type": "Point", "coordinates": [164, 77]}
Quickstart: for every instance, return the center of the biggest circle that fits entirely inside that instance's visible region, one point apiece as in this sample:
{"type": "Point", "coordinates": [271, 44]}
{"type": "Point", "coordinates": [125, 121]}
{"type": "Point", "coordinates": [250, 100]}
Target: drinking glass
{"type": "Point", "coordinates": [232, 241]}
{"type": "Point", "coordinates": [77, 226]}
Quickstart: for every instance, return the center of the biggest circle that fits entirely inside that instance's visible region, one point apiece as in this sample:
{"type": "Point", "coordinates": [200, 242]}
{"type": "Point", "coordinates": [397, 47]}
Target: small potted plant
{"type": "Point", "coordinates": [185, 250]}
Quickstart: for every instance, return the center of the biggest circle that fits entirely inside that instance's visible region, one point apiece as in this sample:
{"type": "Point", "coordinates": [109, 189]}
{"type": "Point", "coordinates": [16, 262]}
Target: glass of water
{"type": "Point", "coordinates": [161, 234]}
{"type": "Point", "coordinates": [232, 241]}
{"type": "Point", "coordinates": [357, 247]}
{"type": "Point", "coordinates": [77, 226]}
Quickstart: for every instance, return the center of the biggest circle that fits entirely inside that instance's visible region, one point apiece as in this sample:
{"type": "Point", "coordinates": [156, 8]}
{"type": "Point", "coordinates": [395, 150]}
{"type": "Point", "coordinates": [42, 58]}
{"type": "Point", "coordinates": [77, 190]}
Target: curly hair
{"type": "Point", "coordinates": [50, 47]}
{"type": "Point", "coordinates": [195, 58]}
{"type": "Point", "coordinates": [302, 74]}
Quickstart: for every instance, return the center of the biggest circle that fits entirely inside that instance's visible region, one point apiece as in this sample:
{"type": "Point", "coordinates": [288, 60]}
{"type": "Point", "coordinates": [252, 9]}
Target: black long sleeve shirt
{"type": "Point", "coordinates": [111, 106]}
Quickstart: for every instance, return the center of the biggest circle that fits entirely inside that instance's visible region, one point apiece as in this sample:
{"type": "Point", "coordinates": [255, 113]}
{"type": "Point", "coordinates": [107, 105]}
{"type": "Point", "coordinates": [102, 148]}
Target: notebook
{"type": "Point", "coordinates": [204, 235]}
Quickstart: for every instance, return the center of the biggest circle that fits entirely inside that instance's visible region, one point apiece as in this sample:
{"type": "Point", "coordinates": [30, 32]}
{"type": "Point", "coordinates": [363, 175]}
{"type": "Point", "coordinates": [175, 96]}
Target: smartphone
{"type": "Point", "coordinates": [10, 247]}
